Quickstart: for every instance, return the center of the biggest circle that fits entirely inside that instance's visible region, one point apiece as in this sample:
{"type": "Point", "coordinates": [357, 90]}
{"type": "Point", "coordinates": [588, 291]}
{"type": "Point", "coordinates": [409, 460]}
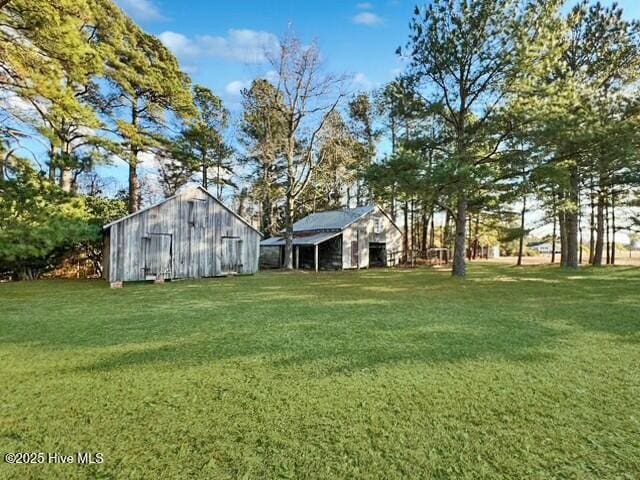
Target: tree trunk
{"type": "Point", "coordinates": [288, 233]}
{"type": "Point", "coordinates": [562, 230]}
{"type": "Point", "coordinates": [613, 227]}
{"type": "Point", "coordinates": [599, 246]}
{"type": "Point", "coordinates": [28, 273]}
{"type": "Point", "coordinates": [52, 171]}
{"type": "Point", "coordinates": [571, 217]}
{"type": "Point", "coordinates": [219, 182]}
{"type": "Point", "coordinates": [606, 229]}
{"type": "Point", "coordinates": [592, 227]}
{"type": "Point", "coordinates": [405, 240]}
{"type": "Point", "coordinates": [205, 180]}
{"type": "Point", "coordinates": [432, 229]}
{"type": "Point", "coordinates": [580, 234]}
{"type": "Point", "coordinates": [413, 227]}
{"type": "Point", "coordinates": [267, 209]}
{"type": "Point", "coordinates": [459, 265]}
{"type": "Point", "coordinates": [270, 227]}
{"type": "Point", "coordinates": [425, 232]}
{"type": "Point", "coordinates": [134, 187]}
{"type": "Point", "coordinates": [522, 220]}
{"type": "Point", "coordinates": [470, 243]}
{"type": "Point", "coordinates": [476, 237]}
{"type": "Point", "coordinates": [554, 232]}
{"type": "Point", "coordinates": [52, 163]}
{"type": "Point", "coordinates": [66, 179]}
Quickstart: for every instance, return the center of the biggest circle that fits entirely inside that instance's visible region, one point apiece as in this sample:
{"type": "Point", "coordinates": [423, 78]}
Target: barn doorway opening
{"type": "Point", "coordinates": [377, 254]}
{"type": "Point", "coordinates": [230, 256]}
{"type": "Point", "coordinates": [158, 256]}
{"type": "Point", "coordinates": [329, 255]}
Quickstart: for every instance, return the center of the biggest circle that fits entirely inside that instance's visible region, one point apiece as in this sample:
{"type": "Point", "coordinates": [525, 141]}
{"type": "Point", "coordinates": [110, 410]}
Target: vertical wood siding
{"type": "Point", "coordinates": [193, 224]}
{"type": "Point", "coordinates": [363, 231]}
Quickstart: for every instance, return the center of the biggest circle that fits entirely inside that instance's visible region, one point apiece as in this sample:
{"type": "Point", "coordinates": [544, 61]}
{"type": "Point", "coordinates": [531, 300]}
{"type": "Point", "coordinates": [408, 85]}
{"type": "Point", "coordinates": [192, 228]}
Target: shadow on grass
{"type": "Point", "coordinates": [329, 323]}
{"type": "Point", "coordinates": [339, 349]}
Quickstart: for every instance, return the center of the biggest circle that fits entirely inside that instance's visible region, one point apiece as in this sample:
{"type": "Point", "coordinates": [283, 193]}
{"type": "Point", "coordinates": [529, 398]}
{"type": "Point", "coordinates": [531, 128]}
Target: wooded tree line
{"type": "Point", "coordinates": [504, 104]}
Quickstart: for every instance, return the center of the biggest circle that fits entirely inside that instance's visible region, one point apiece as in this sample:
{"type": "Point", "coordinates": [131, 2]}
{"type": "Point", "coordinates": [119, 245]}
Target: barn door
{"type": "Point", "coordinates": [230, 255]}
{"type": "Point", "coordinates": [158, 255]}
{"type": "Point", "coordinates": [355, 254]}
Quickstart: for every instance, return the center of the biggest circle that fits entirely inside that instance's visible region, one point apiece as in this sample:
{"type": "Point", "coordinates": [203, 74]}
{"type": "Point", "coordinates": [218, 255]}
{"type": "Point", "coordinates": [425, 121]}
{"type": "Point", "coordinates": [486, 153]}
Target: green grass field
{"type": "Point", "coordinates": [513, 373]}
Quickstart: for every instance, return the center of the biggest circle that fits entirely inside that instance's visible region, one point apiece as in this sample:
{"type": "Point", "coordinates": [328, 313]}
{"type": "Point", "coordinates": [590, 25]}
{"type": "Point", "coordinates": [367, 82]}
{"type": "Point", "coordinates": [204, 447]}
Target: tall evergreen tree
{"type": "Point", "coordinates": [462, 54]}
{"type": "Point", "coordinates": [262, 133]}
{"type": "Point", "coordinates": [147, 87]}
{"type": "Point", "coordinates": [201, 146]}
{"type": "Point", "coordinates": [362, 115]}
{"type": "Point", "coordinates": [575, 97]}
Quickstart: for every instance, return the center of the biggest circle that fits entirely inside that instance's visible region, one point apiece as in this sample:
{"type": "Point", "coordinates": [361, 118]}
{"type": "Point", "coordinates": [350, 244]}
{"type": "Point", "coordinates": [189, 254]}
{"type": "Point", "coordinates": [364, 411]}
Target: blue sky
{"type": "Point", "coordinates": [221, 43]}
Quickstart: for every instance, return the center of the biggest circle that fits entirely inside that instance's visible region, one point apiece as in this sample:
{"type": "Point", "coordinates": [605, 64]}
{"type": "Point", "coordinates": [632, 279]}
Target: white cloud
{"type": "Point", "coordinates": [361, 81]}
{"type": "Point", "coordinates": [364, 6]}
{"type": "Point", "coordinates": [367, 18]}
{"type": "Point", "coordinates": [234, 88]}
{"type": "Point", "coordinates": [240, 45]}
{"type": "Point", "coordinates": [146, 160]}
{"type": "Point", "coordinates": [179, 44]}
{"type": "Point", "coordinates": [141, 10]}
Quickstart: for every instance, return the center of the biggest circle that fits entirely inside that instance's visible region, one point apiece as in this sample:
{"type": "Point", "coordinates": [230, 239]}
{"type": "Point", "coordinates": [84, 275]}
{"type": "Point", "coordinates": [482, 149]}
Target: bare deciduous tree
{"type": "Point", "coordinates": [309, 96]}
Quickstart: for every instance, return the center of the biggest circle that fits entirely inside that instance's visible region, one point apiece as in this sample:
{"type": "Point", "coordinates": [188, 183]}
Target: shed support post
{"type": "Point", "coordinates": [298, 257]}
{"type": "Point", "coordinates": [316, 257]}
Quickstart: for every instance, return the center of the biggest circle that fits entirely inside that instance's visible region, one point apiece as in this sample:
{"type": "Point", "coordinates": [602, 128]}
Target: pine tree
{"type": "Point", "coordinates": [147, 86]}
{"type": "Point", "coordinates": [262, 133]}
{"type": "Point", "coordinates": [462, 53]}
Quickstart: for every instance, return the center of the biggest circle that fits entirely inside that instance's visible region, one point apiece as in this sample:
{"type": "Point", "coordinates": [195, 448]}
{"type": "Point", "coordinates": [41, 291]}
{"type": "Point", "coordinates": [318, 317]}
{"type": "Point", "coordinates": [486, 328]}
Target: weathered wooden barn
{"type": "Point", "coordinates": [339, 239]}
{"type": "Point", "coordinates": [189, 235]}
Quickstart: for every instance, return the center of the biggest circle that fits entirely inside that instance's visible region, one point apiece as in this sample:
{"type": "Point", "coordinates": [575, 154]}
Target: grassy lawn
{"type": "Point", "coordinates": [512, 373]}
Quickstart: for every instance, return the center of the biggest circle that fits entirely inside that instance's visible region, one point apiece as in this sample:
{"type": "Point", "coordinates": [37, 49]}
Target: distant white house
{"type": "Point", "coordinates": [544, 248]}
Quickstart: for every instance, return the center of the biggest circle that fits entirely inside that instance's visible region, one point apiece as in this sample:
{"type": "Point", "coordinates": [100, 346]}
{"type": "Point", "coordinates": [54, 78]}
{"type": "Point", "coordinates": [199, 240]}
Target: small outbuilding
{"type": "Point", "coordinates": [339, 239]}
{"type": "Point", "coordinates": [189, 235]}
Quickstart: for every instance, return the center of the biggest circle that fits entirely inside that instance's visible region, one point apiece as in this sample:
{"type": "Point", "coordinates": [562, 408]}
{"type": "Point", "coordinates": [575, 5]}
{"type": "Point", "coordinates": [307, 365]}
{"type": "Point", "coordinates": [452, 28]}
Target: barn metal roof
{"type": "Point", "coordinates": [314, 239]}
{"type": "Point", "coordinates": [332, 220]}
